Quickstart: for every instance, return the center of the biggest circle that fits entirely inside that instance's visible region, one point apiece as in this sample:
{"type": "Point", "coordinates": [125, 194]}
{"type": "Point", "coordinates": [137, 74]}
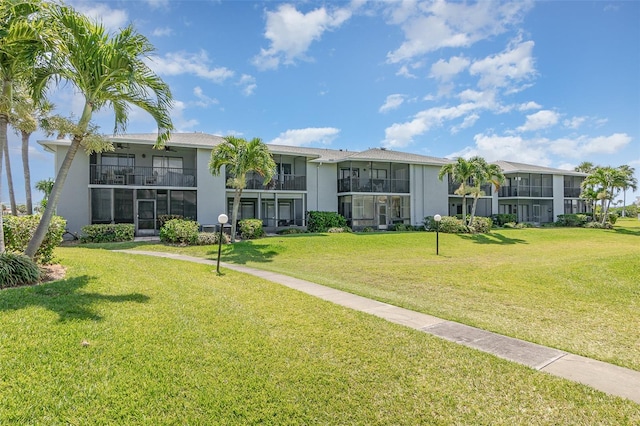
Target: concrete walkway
{"type": "Point", "coordinates": [608, 378]}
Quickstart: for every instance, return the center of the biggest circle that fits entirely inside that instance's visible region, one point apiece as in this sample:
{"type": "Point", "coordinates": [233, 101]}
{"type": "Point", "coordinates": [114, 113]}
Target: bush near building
{"type": "Point", "coordinates": [18, 230]}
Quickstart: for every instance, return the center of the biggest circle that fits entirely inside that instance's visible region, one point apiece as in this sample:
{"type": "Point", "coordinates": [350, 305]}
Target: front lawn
{"type": "Point", "coordinates": [137, 340]}
{"type": "Point", "coordinates": [574, 289]}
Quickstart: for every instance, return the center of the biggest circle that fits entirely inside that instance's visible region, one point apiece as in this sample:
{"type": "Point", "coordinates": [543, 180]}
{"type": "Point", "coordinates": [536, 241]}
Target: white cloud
{"type": "Point", "coordinates": [574, 122]}
{"type": "Point", "coordinates": [291, 33]}
{"type": "Point", "coordinates": [529, 106]}
{"type": "Point", "coordinates": [511, 66]}
{"type": "Point", "coordinates": [513, 148]}
{"type": "Point", "coordinates": [468, 121]}
{"type": "Point", "coordinates": [400, 135]}
{"type": "Point", "coordinates": [178, 63]}
{"type": "Point", "coordinates": [203, 100]}
{"type": "Point", "coordinates": [404, 72]}
{"type": "Point", "coordinates": [445, 70]}
{"type": "Point", "coordinates": [112, 19]}
{"type": "Point", "coordinates": [429, 26]}
{"type": "Point", "coordinates": [306, 137]}
{"type": "Point", "coordinates": [158, 4]}
{"type": "Point", "coordinates": [540, 120]}
{"type": "Point", "coordinates": [248, 84]}
{"type": "Point", "coordinates": [162, 32]}
{"type": "Point", "coordinates": [392, 102]}
{"type": "Point", "coordinates": [181, 123]}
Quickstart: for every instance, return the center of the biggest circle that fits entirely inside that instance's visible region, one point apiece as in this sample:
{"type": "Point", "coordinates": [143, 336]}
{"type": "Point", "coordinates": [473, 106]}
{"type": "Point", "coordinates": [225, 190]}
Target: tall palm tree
{"type": "Point", "coordinates": [24, 120]}
{"type": "Point", "coordinates": [239, 158]}
{"type": "Point", "coordinates": [459, 172]}
{"type": "Point", "coordinates": [483, 173]}
{"type": "Point", "coordinates": [588, 192]}
{"type": "Point", "coordinates": [607, 182]}
{"type": "Point", "coordinates": [21, 44]}
{"type": "Point", "coordinates": [108, 71]}
{"type": "Point", "coordinates": [630, 181]}
{"type": "Point", "coordinates": [12, 192]}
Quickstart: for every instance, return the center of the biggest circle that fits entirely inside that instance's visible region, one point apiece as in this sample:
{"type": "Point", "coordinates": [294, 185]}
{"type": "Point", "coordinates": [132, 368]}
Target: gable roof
{"type": "Point", "coordinates": [512, 167]}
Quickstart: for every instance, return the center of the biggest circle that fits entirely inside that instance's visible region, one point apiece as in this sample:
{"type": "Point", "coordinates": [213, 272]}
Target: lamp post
{"type": "Point", "coordinates": [222, 219]}
{"type": "Point", "coordinates": [437, 218]}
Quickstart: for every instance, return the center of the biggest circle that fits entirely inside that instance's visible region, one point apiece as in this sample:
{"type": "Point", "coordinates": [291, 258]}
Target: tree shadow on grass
{"type": "Point", "coordinates": [627, 231]}
{"type": "Point", "coordinates": [64, 298]}
{"type": "Point", "coordinates": [243, 252]}
{"type": "Point", "coordinates": [491, 239]}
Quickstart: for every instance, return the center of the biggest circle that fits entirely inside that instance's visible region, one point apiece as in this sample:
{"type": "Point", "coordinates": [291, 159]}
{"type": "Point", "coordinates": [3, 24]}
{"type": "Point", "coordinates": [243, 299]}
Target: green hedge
{"type": "Point", "coordinates": [321, 221]}
{"type": "Point", "coordinates": [180, 231]}
{"type": "Point", "coordinates": [573, 220]}
{"type": "Point", "coordinates": [212, 238]}
{"type": "Point", "coordinates": [18, 230]}
{"type": "Point", "coordinates": [17, 270]}
{"type": "Point", "coordinates": [481, 225]}
{"type": "Point", "coordinates": [107, 233]}
{"type": "Point", "coordinates": [251, 229]}
{"type": "Point", "coordinates": [503, 218]}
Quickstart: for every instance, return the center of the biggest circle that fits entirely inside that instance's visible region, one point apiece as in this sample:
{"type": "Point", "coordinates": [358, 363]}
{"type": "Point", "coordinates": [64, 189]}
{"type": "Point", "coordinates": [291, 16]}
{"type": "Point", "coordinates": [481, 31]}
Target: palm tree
{"type": "Point", "coordinates": [239, 158]}
{"type": "Point", "coordinates": [12, 193]}
{"type": "Point", "coordinates": [459, 172]}
{"type": "Point", "coordinates": [21, 44]}
{"type": "Point", "coordinates": [630, 181]}
{"type": "Point", "coordinates": [483, 173]}
{"type": "Point", "coordinates": [607, 182]}
{"type": "Point", "coordinates": [24, 120]}
{"type": "Point", "coordinates": [588, 192]}
{"type": "Point", "coordinates": [45, 186]}
{"type": "Point", "coordinates": [108, 71]}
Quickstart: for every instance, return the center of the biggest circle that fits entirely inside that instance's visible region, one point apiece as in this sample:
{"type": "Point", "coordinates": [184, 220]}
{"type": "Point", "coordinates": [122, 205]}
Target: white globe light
{"type": "Point", "coordinates": [437, 218]}
{"type": "Point", "coordinates": [223, 218]}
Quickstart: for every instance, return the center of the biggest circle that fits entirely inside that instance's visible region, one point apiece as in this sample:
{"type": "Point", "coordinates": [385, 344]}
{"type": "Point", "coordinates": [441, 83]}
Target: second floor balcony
{"type": "Point", "coordinates": [373, 185]}
{"type": "Point", "coordinates": [142, 176]}
{"type": "Point", "coordinates": [279, 182]}
{"type": "Point", "coordinates": [526, 191]}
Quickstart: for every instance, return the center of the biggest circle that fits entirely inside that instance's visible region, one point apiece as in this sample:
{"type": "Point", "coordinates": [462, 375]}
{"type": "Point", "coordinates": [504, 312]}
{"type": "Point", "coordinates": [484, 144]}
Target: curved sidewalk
{"type": "Point", "coordinates": [605, 377]}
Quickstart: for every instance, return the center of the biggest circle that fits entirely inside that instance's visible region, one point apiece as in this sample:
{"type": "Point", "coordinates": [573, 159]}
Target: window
{"type": "Point", "coordinates": [123, 206]}
{"type": "Point", "coordinates": [118, 161]}
{"type": "Point", "coordinates": [100, 205]}
{"type": "Point", "coordinates": [161, 165]}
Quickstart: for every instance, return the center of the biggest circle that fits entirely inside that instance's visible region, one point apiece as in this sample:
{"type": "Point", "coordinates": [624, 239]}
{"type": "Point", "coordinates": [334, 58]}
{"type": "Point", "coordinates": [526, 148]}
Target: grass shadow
{"type": "Point", "coordinates": [243, 252]}
{"type": "Point", "coordinates": [627, 231]}
{"type": "Point", "coordinates": [492, 238]}
{"type": "Point", "coordinates": [64, 297]}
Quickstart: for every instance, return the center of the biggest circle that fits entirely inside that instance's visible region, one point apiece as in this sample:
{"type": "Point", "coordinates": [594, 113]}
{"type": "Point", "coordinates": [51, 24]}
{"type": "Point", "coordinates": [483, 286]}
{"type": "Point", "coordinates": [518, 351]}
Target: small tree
{"type": "Point", "coordinates": [460, 172]}
{"type": "Point", "coordinates": [240, 157]}
{"type": "Point", "coordinates": [45, 186]}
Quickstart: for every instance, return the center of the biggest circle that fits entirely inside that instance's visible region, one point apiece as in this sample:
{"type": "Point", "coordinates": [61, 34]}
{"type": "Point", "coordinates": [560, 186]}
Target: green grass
{"type": "Point", "coordinates": [573, 289]}
{"type": "Point", "coordinates": [169, 342]}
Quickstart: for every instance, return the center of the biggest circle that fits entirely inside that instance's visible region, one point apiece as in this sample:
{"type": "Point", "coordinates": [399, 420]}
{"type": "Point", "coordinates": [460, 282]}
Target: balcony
{"type": "Point", "coordinates": [142, 176]}
{"type": "Point", "coordinates": [525, 191]}
{"type": "Point", "coordinates": [373, 185]}
{"type": "Point", "coordinates": [453, 187]}
{"type": "Point", "coordinates": [280, 182]}
{"type": "Point", "coordinates": [572, 192]}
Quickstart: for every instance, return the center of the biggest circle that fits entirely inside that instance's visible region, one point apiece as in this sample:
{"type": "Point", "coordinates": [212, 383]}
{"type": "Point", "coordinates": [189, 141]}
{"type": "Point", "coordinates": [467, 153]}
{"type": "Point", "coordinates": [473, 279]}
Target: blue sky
{"type": "Point", "coordinates": [547, 83]}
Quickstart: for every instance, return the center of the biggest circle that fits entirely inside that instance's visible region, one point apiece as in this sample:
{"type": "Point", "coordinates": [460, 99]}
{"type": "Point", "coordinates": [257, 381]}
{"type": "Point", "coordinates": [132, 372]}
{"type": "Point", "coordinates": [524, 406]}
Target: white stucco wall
{"type": "Point", "coordinates": [73, 203]}
{"type": "Point", "coordinates": [322, 187]}
{"type": "Point", "coordinates": [428, 193]}
{"type": "Point", "coordinates": [211, 190]}
{"type": "Point", "coordinates": [558, 196]}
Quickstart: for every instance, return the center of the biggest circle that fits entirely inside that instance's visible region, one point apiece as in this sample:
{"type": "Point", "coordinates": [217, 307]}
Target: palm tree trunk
{"type": "Point", "coordinates": [4, 123]}
{"type": "Point", "coordinates": [12, 194]}
{"type": "Point", "coordinates": [234, 217]}
{"type": "Point", "coordinates": [27, 172]}
{"type": "Point", "coordinates": [52, 203]}
{"type": "Point", "coordinates": [473, 210]}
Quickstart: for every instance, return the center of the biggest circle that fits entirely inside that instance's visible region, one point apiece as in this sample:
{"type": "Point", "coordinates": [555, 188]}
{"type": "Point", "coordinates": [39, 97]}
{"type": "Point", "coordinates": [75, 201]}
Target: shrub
{"type": "Point", "coordinates": [367, 229]}
{"type": "Point", "coordinates": [503, 218]}
{"type": "Point", "coordinates": [212, 238]}
{"type": "Point", "coordinates": [481, 225]}
{"type": "Point", "coordinates": [401, 227]}
{"type": "Point", "coordinates": [164, 218]}
{"type": "Point", "coordinates": [180, 231]}
{"type": "Point", "coordinates": [107, 233]}
{"type": "Point", "coordinates": [322, 221]}
{"type": "Point", "coordinates": [573, 220]}
{"type": "Point", "coordinates": [339, 230]}
{"type": "Point", "coordinates": [520, 225]}
{"type": "Point", "coordinates": [599, 225]}
{"type": "Point", "coordinates": [289, 231]}
{"type": "Point", "coordinates": [17, 270]}
{"type": "Point", "coordinates": [448, 224]}
{"type": "Point", "coordinates": [251, 229]}
{"type": "Point", "coordinates": [612, 217]}
{"type": "Point", "coordinates": [18, 230]}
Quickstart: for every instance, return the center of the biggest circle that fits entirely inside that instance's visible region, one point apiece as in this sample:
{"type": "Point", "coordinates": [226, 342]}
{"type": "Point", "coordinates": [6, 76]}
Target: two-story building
{"type": "Point", "coordinates": [374, 188]}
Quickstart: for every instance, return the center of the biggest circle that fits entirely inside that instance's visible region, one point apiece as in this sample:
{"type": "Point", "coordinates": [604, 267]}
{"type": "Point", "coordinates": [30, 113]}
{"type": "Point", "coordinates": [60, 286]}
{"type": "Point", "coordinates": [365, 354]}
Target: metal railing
{"type": "Point", "coordinates": [142, 176]}
{"type": "Point", "coordinates": [373, 185]}
{"type": "Point", "coordinates": [525, 191]}
{"type": "Point", "coordinates": [280, 182]}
